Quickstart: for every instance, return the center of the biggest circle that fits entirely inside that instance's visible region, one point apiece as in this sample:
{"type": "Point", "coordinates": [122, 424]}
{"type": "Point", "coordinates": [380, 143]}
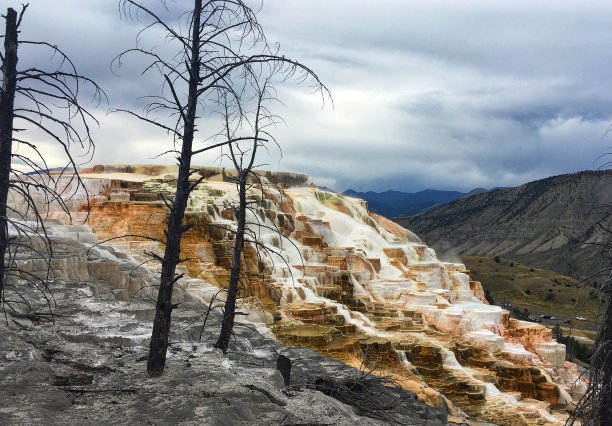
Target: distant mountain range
{"type": "Point", "coordinates": [553, 223]}
{"type": "Point", "coordinates": [396, 203]}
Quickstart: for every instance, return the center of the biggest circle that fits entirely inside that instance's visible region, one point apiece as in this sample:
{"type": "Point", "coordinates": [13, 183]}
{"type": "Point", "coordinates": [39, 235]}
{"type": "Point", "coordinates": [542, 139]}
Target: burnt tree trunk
{"type": "Point", "coordinates": [175, 230]}
{"type": "Point", "coordinates": [229, 311]}
{"type": "Point", "coordinates": [604, 362]}
{"type": "Point", "coordinates": [7, 101]}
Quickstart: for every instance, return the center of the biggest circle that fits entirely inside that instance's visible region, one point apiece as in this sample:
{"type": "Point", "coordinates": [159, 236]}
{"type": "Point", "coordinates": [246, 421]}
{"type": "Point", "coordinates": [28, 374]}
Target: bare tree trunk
{"type": "Point", "coordinates": [7, 101]}
{"type": "Point", "coordinates": [229, 311]}
{"type": "Point", "coordinates": [51, 109]}
{"type": "Point", "coordinates": [604, 363]}
{"type": "Point", "coordinates": [174, 233]}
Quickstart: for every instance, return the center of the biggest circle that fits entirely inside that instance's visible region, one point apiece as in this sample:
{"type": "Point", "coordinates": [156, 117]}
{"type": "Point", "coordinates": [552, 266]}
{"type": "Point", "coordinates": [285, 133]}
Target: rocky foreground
{"type": "Point", "coordinates": [86, 364]}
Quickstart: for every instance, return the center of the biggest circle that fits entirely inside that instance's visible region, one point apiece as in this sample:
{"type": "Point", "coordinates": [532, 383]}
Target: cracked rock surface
{"type": "Point", "coordinates": [88, 367]}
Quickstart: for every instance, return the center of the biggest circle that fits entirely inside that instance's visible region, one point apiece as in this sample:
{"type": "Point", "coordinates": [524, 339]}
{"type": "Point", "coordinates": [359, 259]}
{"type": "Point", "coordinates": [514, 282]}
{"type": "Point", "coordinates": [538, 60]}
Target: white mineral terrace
{"type": "Point", "coordinates": [409, 277]}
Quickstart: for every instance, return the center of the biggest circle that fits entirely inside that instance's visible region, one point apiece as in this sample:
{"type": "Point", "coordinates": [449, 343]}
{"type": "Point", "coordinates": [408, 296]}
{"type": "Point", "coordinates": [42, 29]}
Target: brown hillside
{"type": "Point", "coordinates": [551, 223]}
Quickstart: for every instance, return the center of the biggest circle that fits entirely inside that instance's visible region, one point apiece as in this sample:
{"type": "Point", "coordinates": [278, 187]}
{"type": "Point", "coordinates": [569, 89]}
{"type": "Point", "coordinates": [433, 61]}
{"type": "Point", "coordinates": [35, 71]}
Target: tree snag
{"type": "Point", "coordinates": [39, 105]}
{"type": "Point", "coordinates": [7, 102]}
{"type": "Point", "coordinates": [217, 48]}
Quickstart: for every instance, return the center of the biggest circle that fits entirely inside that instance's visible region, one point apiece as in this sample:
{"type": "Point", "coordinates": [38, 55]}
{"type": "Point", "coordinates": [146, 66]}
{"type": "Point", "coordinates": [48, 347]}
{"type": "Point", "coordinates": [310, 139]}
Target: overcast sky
{"type": "Point", "coordinates": [428, 94]}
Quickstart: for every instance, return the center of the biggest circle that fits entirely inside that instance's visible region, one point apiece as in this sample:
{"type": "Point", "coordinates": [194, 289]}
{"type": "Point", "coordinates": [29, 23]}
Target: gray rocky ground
{"type": "Point", "coordinates": [88, 367]}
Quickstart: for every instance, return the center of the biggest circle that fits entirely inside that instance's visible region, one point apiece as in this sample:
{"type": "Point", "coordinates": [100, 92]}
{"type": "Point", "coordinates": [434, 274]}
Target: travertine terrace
{"type": "Point", "coordinates": [348, 283]}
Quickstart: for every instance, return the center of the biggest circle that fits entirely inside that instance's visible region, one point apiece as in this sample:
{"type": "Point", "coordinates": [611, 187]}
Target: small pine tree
{"type": "Point", "coordinates": [557, 333]}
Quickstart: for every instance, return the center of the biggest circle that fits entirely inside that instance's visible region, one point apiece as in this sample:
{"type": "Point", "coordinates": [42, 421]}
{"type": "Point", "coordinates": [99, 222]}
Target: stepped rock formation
{"type": "Point", "coordinates": [549, 223]}
{"type": "Point", "coordinates": [352, 285]}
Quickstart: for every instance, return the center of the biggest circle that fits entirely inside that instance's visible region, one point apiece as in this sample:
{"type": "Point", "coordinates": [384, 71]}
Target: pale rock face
{"type": "Point", "coordinates": [520, 355]}
{"type": "Point", "coordinates": [120, 196]}
{"type": "Point", "coordinates": [478, 292]}
{"type": "Point", "coordinates": [357, 275]}
{"type": "Point", "coordinates": [567, 374]}
{"type": "Point", "coordinates": [552, 353]}
{"type": "Point", "coordinates": [68, 262]}
{"type": "Point", "coordinates": [461, 319]}
{"type": "Point", "coordinates": [488, 340]}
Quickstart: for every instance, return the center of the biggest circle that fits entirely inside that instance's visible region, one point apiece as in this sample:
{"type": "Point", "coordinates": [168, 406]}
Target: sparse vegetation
{"type": "Point", "coordinates": [527, 287]}
{"type": "Point", "coordinates": [549, 295]}
{"type": "Point", "coordinates": [520, 314]}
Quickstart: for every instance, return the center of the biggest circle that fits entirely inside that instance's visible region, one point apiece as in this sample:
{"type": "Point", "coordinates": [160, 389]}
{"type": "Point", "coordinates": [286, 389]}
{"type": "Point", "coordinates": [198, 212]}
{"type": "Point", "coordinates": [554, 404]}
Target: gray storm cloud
{"type": "Point", "coordinates": [437, 94]}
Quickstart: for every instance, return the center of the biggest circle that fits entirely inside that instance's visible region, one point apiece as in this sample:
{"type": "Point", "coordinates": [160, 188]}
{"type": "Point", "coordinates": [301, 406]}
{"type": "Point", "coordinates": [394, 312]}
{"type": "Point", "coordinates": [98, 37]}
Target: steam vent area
{"type": "Point", "coordinates": [329, 275]}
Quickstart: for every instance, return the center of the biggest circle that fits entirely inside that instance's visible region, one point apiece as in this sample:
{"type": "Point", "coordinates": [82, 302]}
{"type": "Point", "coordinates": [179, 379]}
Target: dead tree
{"type": "Point", "coordinates": [253, 114]}
{"type": "Point", "coordinates": [595, 407]}
{"type": "Point", "coordinates": [39, 104]}
{"type": "Point", "coordinates": [243, 159]}
{"type": "Point", "coordinates": [214, 47]}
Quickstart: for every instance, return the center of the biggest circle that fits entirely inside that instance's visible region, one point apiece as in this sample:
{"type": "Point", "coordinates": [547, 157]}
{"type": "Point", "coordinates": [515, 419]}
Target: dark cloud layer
{"type": "Point", "coordinates": [436, 94]}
